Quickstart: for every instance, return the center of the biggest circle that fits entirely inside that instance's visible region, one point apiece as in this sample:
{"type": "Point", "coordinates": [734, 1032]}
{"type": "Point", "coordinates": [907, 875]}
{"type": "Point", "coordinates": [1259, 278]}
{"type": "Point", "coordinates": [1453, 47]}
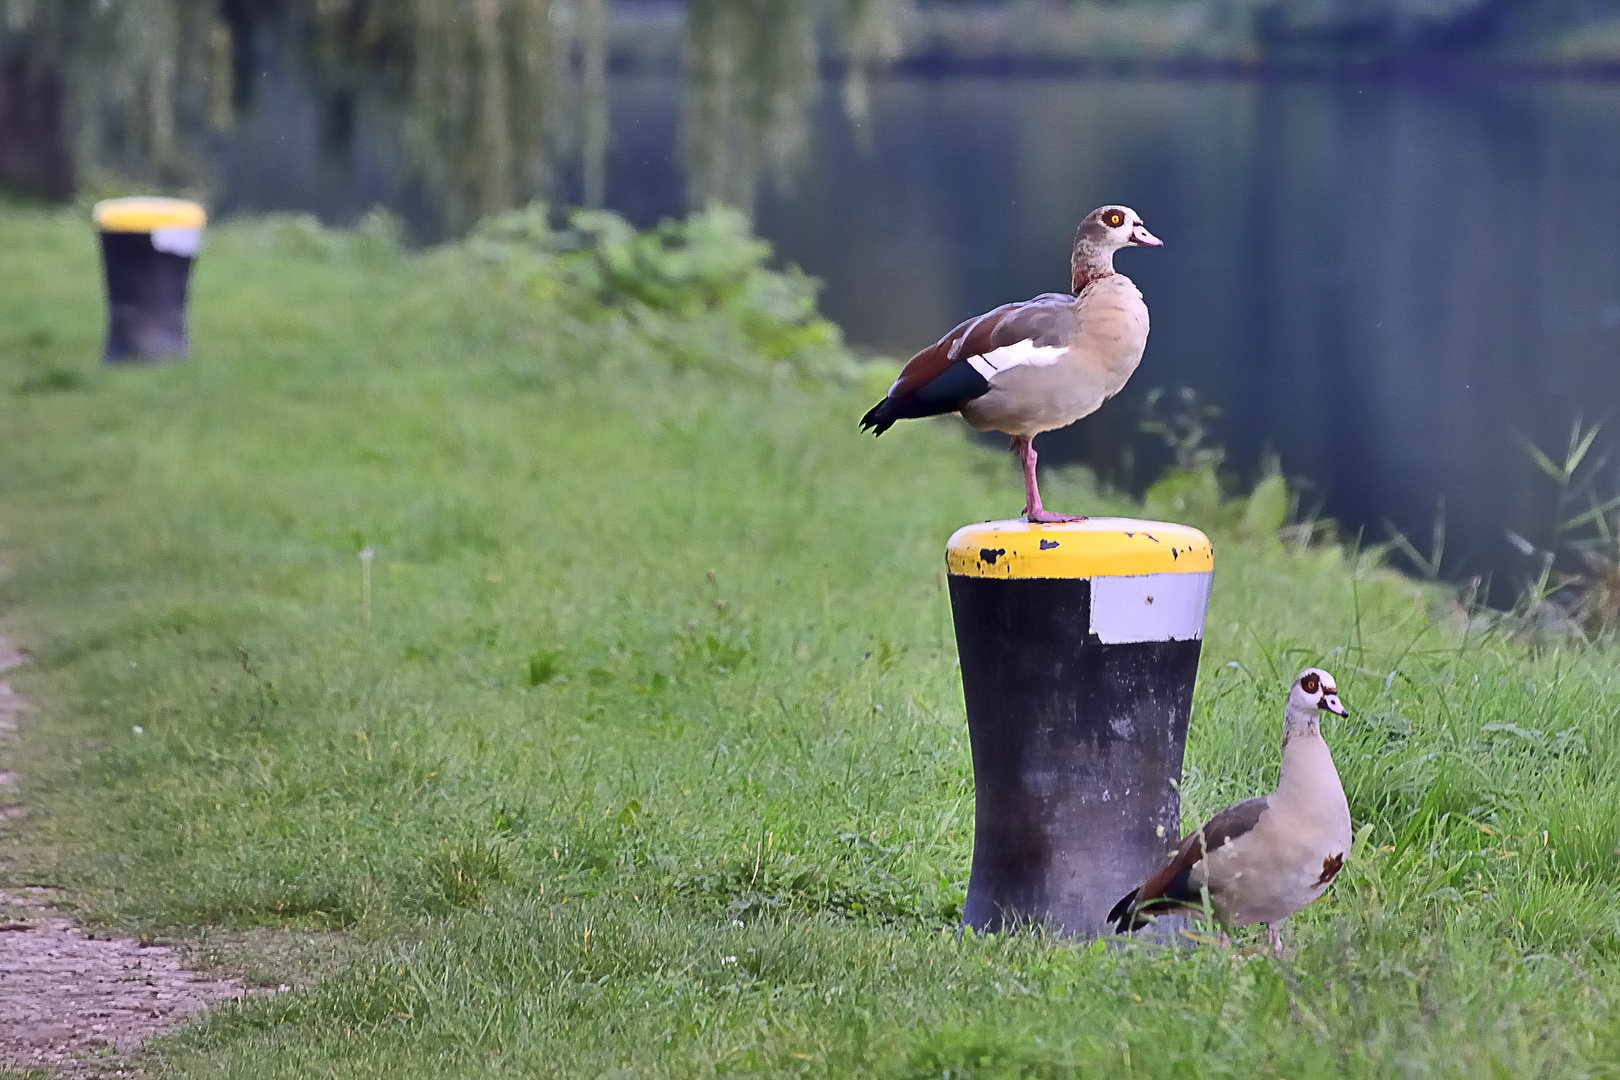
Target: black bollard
{"type": "Point", "coordinates": [1079, 645]}
{"type": "Point", "coordinates": [147, 246]}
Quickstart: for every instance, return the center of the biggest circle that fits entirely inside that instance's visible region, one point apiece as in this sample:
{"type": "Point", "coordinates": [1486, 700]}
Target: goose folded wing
{"type": "Point", "coordinates": [959, 367]}
{"type": "Point", "coordinates": [1172, 889]}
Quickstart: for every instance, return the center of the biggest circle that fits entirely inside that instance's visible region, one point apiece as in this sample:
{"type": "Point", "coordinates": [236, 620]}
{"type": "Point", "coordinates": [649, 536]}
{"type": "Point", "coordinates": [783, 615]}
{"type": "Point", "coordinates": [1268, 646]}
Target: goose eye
{"type": "Point", "coordinates": [1310, 684]}
{"type": "Point", "coordinates": [1115, 219]}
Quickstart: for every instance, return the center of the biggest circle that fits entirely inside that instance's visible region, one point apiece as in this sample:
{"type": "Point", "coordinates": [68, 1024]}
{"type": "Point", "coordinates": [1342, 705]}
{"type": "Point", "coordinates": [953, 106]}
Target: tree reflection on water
{"type": "Point", "coordinates": [480, 104]}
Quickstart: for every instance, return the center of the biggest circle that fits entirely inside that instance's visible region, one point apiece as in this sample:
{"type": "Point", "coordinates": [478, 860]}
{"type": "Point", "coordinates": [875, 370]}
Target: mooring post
{"type": "Point", "coordinates": [1079, 645]}
{"type": "Point", "coordinates": [147, 247]}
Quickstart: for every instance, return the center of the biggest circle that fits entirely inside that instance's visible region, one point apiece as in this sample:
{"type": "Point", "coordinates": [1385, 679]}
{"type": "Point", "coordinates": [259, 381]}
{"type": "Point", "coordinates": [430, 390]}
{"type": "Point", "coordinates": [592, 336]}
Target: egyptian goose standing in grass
{"type": "Point", "coordinates": [1030, 367]}
{"type": "Point", "coordinates": [1265, 858]}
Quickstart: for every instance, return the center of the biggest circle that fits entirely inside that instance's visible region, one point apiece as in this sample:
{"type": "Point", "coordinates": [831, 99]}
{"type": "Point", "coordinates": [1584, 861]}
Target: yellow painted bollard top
{"type": "Point", "coordinates": [1095, 547]}
{"type": "Point", "coordinates": [147, 213]}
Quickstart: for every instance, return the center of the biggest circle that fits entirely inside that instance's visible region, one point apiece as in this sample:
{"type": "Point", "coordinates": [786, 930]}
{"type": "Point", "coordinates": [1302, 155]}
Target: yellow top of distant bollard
{"type": "Point", "coordinates": [147, 213]}
{"type": "Point", "coordinates": [1095, 547]}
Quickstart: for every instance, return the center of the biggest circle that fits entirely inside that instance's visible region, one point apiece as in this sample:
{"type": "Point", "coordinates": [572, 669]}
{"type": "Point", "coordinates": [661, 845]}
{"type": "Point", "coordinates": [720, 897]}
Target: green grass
{"type": "Point", "coordinates": [651, 759]}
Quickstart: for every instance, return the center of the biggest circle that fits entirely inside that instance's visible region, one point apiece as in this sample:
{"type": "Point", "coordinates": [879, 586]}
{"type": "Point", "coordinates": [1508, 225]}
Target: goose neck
{"type": "Point", "coordinates": [1307, 767]}
{"type": "Point", "coordinates": [1089, 263]}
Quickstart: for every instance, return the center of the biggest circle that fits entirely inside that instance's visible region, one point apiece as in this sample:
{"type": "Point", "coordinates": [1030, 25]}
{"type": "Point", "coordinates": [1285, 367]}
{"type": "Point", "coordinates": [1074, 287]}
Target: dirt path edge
{"type": "Point", "coordinates": [73, 1002]}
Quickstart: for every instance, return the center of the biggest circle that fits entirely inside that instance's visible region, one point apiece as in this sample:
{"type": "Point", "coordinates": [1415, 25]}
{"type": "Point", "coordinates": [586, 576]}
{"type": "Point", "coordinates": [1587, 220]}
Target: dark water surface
{"type": "Point", "coordinates": [1383, 283]}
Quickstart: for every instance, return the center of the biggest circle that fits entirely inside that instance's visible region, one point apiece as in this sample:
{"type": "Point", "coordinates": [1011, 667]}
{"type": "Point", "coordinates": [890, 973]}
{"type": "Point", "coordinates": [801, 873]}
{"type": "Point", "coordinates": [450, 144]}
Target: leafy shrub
{"type": "Point", "coordinates": [699, 290]}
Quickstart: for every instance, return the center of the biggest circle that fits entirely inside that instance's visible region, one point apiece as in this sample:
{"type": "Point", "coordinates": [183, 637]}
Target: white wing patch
{"type": "Point", "coordinates": [995, 361]}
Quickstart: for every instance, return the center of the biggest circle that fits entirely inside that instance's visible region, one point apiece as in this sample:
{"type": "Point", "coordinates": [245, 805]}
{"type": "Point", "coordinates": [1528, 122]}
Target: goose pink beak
{"type": "Point", "coordinates": [1140, 235]}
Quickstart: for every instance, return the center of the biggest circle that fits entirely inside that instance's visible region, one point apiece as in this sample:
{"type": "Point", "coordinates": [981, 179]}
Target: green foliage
{"type": "Point", "coordinates": [1266, 510]}
{"type": "Point", "coordinates": [650, 759]}
{"type": "Point", "coordinates": [698, 290]}
{"type": "Point", "coordinates": [1575, 585]}
{"type": "Point", "coordinates": [1183, 426]}
{"type": "Point", "coordinates": [545, 666]}
{"type": "Point", "coordinates": [463, 872]}
{"type": "Point", "coordinates": [1196, 491]}
{"type": "Point", "coordinates": [1202, 497]}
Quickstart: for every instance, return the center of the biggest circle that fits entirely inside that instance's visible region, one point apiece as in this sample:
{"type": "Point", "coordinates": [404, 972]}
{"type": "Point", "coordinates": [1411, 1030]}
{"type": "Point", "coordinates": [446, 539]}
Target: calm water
{"type": "Point", "coordinates": [1384, 284]}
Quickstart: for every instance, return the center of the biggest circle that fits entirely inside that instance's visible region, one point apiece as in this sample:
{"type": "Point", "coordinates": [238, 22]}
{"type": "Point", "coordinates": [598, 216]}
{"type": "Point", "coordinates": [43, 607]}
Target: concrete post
{"type": "Point", "coordinates": [1079, 645]}
{"type": "Point", "coordinates": [147, 247]}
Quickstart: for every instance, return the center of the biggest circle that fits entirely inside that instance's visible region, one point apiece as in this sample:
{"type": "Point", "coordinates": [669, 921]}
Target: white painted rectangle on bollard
{"type": "Point", "coordinates": [1149, 607]}
{"type": "Point", "coordinates": [177, 241]}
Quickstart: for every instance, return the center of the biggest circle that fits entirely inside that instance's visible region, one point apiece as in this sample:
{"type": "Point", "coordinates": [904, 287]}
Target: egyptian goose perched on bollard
{"type": "Point", "coordinates": [1030, 367]}
{"type": "Point", "coordinates": [1265, 858]}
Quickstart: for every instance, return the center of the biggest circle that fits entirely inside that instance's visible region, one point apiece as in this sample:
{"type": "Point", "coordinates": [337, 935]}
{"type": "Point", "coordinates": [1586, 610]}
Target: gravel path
{"type": "Point", "coordinates": [71, 1001]}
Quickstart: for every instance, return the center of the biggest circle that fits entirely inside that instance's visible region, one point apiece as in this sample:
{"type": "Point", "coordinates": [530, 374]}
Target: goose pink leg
{"type": "Point", "coordinates": [1025, 449]}
{"type": "Point", "coordinates": [1275, 934]}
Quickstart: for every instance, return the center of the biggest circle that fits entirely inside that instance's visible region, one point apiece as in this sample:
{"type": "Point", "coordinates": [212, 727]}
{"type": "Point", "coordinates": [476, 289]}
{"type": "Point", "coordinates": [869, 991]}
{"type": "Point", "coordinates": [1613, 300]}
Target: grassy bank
{"type": "Point", "coordinates": [647, 756]}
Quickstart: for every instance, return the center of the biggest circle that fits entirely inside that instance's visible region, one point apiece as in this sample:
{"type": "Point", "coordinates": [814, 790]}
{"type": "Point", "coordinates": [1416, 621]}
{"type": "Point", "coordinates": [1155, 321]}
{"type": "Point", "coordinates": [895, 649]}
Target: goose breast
{"type": "Point", "coordinates": [1102, 347]}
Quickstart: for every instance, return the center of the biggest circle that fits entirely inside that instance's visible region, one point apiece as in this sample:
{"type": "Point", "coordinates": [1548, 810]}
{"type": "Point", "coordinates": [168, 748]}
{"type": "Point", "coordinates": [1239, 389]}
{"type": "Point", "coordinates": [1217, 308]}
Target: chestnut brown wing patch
{"type": "Point", "coordinates": [930, 363]}
{"type": "Point", "coordinates": [942, 378]}
{"type": "Point", "coordinates": [1330, 868]}
{"type": "Point", "coordinates": [1038, 320]}
{"type": "Point", "coordinates": [1043, 321]}
{"type": "Point", "coordinates": [1171, 888]}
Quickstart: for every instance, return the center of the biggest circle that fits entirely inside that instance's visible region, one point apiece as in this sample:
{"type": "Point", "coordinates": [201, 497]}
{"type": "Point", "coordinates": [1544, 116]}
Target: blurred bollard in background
{"type": "Point", "coordinates": [1079, 645]}
{"type": "Point", "coordinates": [147, 246]}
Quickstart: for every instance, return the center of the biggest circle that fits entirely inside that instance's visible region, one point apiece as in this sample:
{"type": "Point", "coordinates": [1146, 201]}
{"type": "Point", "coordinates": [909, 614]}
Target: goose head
{"type": "Point", "coordinates": [1104, 231]}
{"type": "Point", "coordinates": [1312, 694]}
{"type": "Point", "coordinates": [1110, 228]}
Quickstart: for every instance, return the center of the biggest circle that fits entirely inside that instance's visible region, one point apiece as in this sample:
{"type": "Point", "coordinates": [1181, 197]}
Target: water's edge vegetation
{"type": "Point", "coordinates": [645, 751]}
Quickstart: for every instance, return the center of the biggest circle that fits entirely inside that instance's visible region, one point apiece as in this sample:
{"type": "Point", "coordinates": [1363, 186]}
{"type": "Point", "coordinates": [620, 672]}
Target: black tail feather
{"type": "Point", "coordinates": [1132, 913]}
{"type": "Point", "coordinates": [946, 392]}
{"type": "Point", "coordinates": [1123, 914]}
{"type": "Point", "coordinates": [881, 417]}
